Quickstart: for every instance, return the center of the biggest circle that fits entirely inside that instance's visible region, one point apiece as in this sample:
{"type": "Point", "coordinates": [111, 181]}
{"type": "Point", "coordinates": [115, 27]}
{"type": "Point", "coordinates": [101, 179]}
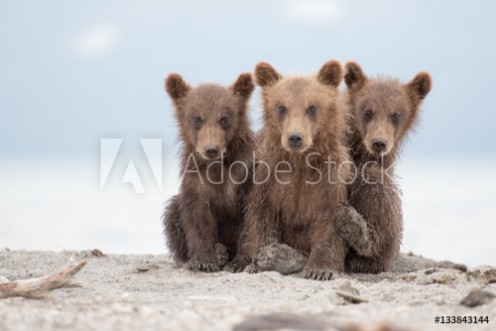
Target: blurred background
{"type": "Point", "coordinates": [88, 148]}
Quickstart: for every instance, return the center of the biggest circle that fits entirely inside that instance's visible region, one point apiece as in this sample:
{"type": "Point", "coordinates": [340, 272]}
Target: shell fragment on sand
{"type": "Point", "coordinates": [350, 293]}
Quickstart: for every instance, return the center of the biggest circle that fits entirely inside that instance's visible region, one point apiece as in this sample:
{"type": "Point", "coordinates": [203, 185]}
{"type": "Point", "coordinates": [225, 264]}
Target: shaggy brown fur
{"type": "Point", "coordinates": [304, 128]}
{"type": "Point", "coordinates": [216, 163]}
{"type": "Point", "coordinates": [383, 111]}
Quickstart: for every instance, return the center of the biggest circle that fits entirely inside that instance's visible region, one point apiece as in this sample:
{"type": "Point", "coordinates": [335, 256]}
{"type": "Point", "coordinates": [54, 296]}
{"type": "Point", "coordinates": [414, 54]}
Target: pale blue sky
{"type": "Point", "coordinates": [74, 72]}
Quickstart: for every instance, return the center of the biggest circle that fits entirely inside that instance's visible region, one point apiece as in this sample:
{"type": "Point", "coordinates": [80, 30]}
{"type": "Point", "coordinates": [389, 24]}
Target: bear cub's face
{"type": "Point", "coordinates": [297, 107]}
{"type": "Point", "coordinates": [384, 109]}
{"type": "Point", "coordinates": [210, 115]}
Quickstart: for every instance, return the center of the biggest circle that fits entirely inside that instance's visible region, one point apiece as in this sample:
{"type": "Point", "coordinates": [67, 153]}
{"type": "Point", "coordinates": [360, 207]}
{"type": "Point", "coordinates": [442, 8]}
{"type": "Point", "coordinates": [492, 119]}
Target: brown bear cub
{"type": "Point", "coordinates": [216, 163]}
{"type": "Point", "coordinates": [383, 111]}
{"type": "Point", "coordinates": [301, 169]}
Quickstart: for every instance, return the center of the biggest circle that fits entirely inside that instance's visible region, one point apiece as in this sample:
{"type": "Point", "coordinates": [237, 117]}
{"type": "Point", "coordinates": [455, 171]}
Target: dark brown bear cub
{"type": "Point", "coordinates": [216, 163]}
{"type": "Point", "coordinates": [301, 169]}
{"type": "Point", "coordinates": [383, 111]}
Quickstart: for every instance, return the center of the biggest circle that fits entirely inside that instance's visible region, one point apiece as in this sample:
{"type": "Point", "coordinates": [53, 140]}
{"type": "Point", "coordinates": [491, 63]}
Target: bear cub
{"type": "Point", "coordinates": [301, 169]}
{"type": "Point", "coordinates": [383, 112]}
{"type": "Point", "coordinates": [216, 166]}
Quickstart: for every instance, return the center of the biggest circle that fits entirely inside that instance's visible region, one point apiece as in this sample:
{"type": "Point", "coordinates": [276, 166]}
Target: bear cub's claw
{"type": "Point", "coordinates": [200, 266]}
{"type": "Point", "coordinates": [235, 266]}
{"type": "Point", "coordinates": [320, 274]}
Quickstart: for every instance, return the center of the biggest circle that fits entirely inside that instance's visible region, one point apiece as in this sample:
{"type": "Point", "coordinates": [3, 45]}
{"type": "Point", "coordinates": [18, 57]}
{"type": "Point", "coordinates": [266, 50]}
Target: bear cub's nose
{"type": "Point", "coordinates": [295, 139]}
{"type": "Point", "coordinates": [379, 144]}
{"type": "Point", "coordinates": [211, 150]}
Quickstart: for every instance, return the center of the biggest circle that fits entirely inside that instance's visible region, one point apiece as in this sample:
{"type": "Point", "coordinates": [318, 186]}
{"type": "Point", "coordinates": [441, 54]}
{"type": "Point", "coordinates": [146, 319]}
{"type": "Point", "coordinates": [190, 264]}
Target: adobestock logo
{"type": "Point", "coordinates": [218, 171]}
{"type": "Point", "coordinates": [139, 167]}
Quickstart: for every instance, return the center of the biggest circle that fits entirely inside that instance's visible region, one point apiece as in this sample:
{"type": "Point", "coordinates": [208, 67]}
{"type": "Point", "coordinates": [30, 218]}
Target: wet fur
{"type": "Point", "coordinates": [298, 213]}
{"type": "Point", "coordinates": [373, 226]}
{"type": "Point", "coordinates": [205, 213]}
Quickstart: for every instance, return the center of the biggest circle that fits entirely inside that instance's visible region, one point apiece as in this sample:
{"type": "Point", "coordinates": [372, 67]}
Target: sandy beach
{"type": "Point", "coordinates": [149, 292]}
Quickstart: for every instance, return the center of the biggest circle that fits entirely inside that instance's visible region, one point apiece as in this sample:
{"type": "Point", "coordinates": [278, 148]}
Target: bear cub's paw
{"type": "Point", "coordinates": [236, 265]}
{"type": "Point", "coordinates": [320, 274]}
{"type": "Point", "coordinates": [252, 268]}
{"type": "Point", "coordinates": [353, 229]}
{"type": "Point", "coordinates": [202, 266]}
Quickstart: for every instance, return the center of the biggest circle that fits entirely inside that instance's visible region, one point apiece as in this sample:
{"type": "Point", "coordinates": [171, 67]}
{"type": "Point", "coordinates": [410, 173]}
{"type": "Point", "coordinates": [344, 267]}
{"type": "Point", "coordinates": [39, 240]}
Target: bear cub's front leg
{"type": "Point", "coordinates": [201, 227]}
{"type": "Point", "coordinates": [327, 254]}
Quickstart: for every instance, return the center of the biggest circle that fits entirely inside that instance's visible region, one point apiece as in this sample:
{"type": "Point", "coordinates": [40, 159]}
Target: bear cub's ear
{"type": "Point", "coordinates": [243, 86]}
{"type": "Point", "coordinates": [266, 75]}
{"type": "Point", "coordinates": [331, 73]}
{"type": "Point", "coordinates": [176, 87]}
{"type": "Point", "coordinates": [419, 86]}
{"type": "Point", "coordinates": [354, 76]}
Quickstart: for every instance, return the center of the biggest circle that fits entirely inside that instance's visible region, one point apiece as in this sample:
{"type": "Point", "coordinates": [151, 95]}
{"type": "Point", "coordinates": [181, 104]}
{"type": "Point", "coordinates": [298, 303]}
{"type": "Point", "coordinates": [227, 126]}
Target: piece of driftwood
{"type": "Point", "coordinates": [39, 288]}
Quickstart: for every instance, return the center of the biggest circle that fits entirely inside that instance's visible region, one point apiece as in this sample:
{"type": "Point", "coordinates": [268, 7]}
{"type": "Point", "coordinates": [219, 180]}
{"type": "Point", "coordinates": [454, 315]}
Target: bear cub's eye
{"type": "Point", "coordinates": [282, 110]}
{"type": "Point", "coordinates": [368, 113]}
{"type": "Point", "coordinates": [197, 122]}
{"type": "Point", "coordinates": [224, 122]}
{"type": "Point", "coordinates": [396, 117]}
{"type": "Point", "coordinates": [312, 110]}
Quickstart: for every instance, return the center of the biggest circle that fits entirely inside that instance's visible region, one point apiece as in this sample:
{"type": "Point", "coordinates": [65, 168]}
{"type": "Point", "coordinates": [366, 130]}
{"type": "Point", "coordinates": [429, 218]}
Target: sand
{"type": "Point", "coordinates": [149, 292]}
